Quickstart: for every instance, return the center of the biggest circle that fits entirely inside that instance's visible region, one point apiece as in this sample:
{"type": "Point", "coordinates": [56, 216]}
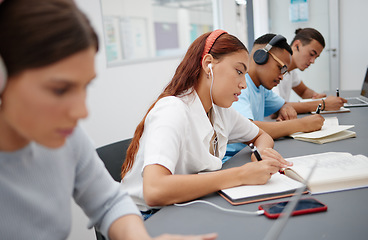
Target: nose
{"type": "Point", "coordinates": [243, 84]}
{"type": "Point", "coordinates": [312, 60]}
{"type": "Point", "coordinates": [281, 76]}
{"type": "Point", "coordinates": [78, 107]}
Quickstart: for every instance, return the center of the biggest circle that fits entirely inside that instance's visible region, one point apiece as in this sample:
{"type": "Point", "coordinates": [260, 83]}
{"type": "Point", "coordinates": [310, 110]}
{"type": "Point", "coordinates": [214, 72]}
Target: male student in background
{"type": "Point", "coordinates": [307, 45]}
{"type": "Point", "coordinates": [268, 62]}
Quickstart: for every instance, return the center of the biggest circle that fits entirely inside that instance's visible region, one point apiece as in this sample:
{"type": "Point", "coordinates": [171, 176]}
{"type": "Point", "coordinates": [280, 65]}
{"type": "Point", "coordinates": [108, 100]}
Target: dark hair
{"type": "Point", "coordinates": [185, 78]}
{"type": "Point", "coordinates": [36, 33]}
{"type": "Point", "coordinates": [266, 38]}
{"type": "Point", "coordinates": [306, 35]}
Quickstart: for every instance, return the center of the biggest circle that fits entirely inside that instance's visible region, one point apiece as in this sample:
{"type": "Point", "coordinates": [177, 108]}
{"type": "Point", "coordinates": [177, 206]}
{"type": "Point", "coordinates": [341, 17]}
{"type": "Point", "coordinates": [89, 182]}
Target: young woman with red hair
{"type": "Point", "coordinates": [187, 128]}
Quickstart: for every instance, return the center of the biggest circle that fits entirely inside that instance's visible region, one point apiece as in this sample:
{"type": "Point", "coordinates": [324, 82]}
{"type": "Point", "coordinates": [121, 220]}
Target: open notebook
{"type": "Point", "coordinates": [331, 131]}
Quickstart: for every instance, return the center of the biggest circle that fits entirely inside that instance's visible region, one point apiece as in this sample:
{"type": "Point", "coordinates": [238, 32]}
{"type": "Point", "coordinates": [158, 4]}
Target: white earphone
{"type": "Point", "coordinates": [214, 110]}
{"type": "Point", "coordinates": [210, 67]}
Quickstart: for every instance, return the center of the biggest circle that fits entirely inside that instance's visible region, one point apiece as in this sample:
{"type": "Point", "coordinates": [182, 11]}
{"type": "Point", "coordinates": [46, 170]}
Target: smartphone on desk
{"type": "Point", "coordinates": [304, 206]}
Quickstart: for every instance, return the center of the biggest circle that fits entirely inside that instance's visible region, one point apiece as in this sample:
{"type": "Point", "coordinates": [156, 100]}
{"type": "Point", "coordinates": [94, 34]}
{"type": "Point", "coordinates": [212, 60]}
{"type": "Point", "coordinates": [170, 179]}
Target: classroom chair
{"type": "Point", "coordinates": [113, 156]}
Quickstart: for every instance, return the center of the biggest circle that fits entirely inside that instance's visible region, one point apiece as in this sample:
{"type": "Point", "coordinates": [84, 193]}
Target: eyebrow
{"type": "Point", "coordinates": [245, 66]}
{"type": "Point", "coordinates": [69, 81]}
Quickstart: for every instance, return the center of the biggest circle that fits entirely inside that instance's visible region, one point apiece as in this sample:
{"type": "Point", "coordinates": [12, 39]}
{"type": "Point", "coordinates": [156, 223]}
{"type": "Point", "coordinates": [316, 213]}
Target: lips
{"type": "Point", "coordinates": [236, 95]}
{"type": "Point", "coordinates": [66, 132]}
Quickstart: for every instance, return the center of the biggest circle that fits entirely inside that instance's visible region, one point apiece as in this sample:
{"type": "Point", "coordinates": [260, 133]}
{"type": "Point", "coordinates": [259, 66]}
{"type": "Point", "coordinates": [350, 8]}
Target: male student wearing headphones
{"type": "Point", "coordinates": [48, 50]}
{"type": "Point", "coordinates": [307, 46]}
{"type": "Point", "coordinates": [268, 62]}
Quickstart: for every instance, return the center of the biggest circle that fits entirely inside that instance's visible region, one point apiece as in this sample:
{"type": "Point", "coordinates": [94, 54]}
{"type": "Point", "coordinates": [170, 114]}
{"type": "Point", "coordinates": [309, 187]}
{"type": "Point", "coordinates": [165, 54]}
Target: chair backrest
{"type": "Point", "coordinates": [113, 156]}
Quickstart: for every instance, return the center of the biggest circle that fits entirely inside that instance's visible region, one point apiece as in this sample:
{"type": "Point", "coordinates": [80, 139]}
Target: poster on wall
{"type": "Point", "coordinates": [134, 37]}
{"type": "Point", "coordinates": [298, 11]}
{"type": "Point", "coordinates": [112, 39]}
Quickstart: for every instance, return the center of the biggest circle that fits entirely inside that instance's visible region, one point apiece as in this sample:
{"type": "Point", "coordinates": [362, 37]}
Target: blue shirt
{"type": "Point", "coordinates": [254, 103]}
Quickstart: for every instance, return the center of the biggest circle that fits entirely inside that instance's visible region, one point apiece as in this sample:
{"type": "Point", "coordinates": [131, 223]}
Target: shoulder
{"type": "Point", "coordinates": [293, 76]}
{"type": "Point", "coordinates": [168, 111]}
{"type": "Point", "coordinates": [170, 102]}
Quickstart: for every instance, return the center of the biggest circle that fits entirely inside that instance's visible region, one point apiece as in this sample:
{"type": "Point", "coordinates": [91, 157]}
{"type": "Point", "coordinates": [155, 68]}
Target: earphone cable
{"type": "Point", "coordinates": [259, 212]}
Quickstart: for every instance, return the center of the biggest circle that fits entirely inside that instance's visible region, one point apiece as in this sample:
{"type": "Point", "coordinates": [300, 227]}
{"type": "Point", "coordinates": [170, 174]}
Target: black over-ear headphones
{"type": "Point", "coordinates": [3, 75]}
{"type": "Point", "coordinates": [261, 55]}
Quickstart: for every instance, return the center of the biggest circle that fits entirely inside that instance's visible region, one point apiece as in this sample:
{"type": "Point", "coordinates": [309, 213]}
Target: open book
{"type": "Point", "coordinates": [335, 171]}
{"type": "Point", "coordinates": [331, 131]}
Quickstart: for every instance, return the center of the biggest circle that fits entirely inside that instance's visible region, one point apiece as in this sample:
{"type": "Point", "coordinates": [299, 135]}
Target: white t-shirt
{"type": "Point", "coordinates": [289, 81]}
{"type": "Point", "coordinates": [177, 135]}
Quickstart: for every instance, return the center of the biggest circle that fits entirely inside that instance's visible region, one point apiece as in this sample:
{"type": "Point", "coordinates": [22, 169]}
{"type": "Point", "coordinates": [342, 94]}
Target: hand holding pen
{"type": "Point", "coordinates": [272, 154]}
{"type": "Point", "coordinates": [255, 151]}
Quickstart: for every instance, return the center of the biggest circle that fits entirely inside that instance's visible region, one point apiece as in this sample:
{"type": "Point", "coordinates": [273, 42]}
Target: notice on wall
{"type": "Point", "coordinates": [298, 11]}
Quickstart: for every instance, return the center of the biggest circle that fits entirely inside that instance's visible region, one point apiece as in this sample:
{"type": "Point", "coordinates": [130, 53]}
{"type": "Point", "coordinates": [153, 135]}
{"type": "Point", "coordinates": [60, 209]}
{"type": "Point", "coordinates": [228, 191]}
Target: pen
{"type": "Point", "coordinates": [337, 92]}
{"type": "Point", "coordinates": [255, 151]}
{"type": "Point", "coordinates": [258, 155]}
{"type": "Point", "coordinates": [319, 108]}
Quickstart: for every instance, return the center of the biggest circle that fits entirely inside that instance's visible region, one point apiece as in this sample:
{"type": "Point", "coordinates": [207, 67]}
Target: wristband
{"type": "Point", "coordinates": [324, 104]}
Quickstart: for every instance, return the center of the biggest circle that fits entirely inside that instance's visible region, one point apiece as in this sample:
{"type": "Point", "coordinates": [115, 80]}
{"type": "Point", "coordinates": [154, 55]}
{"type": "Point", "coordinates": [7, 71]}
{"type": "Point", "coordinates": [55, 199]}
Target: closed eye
{"type": "Point", "coordinates": [59, 91]}
{"type": "Point", "coordinates": [313, 53]}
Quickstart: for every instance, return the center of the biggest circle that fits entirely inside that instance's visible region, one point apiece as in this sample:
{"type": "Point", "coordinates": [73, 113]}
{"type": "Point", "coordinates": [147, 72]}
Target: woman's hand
{"type": "Point", "coordinates": [270, 153]}
{"type": "Point", "coordinates": [257, 173]}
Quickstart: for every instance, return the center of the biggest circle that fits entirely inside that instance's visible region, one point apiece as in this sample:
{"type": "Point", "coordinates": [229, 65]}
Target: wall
{"type": "Point", "coordinates": [353, 59]}
{"type": "Point", "coordinates": [353, 42]}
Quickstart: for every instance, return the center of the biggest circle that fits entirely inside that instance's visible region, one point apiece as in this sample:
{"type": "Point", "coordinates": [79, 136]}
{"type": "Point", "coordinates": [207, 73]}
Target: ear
{"type": "Point", "coordinates": [296, 45]}
{"type": "Point", "coordinates": [207, 59]}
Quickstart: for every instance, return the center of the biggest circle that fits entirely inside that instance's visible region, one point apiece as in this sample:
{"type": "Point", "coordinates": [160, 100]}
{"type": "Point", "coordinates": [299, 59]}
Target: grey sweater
{"type": "Point", "coordinates": [37, 183]}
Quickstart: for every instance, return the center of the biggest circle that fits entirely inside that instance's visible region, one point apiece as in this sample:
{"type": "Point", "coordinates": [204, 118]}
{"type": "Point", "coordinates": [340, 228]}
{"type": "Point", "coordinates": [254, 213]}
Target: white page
{"type": "Point", "coordinates": [331, 166]}
{"type": "Point", "coordinates": [330, 126]}
{"type": "Point", "coordinates": [277, 183]}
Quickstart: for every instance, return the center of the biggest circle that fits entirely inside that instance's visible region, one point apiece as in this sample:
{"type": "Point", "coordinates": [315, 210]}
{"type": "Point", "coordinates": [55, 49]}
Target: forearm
{"type": "Point", "coordinates": [280, 129]}
{"type": "Point", "coordinates": [263, 140]}
{"type": "Point", "coordinates": [305, 107]}
{"type": "Point", "coordinates": [308, 93]}
{"type": "Point", "coordinates": [162, 188]}
{"type": "Point", "coordinates": [128, 227]}
{"type": "Point", "coordinates": [305, 92]}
